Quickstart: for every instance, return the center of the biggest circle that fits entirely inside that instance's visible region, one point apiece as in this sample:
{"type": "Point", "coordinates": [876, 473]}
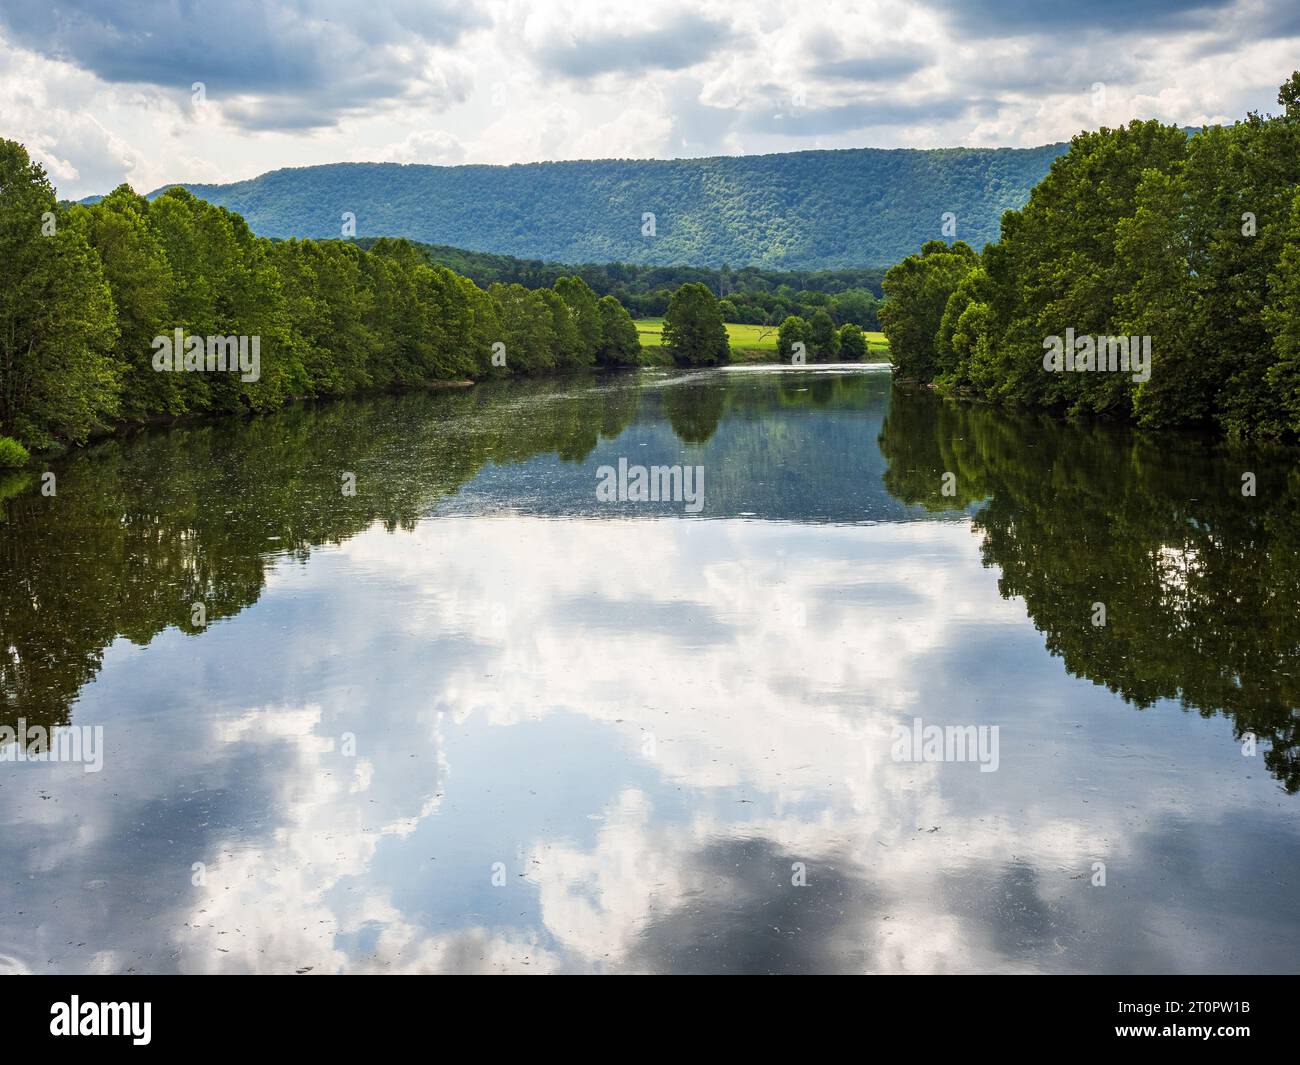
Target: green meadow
{"type": "Point", "coordinates": [749, 343]}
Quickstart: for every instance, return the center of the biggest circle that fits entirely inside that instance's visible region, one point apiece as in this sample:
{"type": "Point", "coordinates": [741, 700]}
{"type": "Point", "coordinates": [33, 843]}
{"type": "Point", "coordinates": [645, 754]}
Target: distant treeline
{"type": "Point", "coordinates": [753, 296]}
{"type": "Point", "coordinates": [90, 296]}
{"type": "Point", "coordinates": [1137, 236]}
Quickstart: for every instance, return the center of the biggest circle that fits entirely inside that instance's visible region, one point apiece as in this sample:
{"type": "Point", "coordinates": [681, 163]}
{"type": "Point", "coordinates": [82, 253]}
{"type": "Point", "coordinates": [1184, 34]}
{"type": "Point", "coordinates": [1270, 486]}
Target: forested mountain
{"type": "Point", "coordinates": [797, 211]}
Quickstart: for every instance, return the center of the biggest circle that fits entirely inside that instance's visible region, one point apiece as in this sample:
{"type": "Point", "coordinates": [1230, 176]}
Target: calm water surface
{"type": "Point", "coordinates": [474, 719]}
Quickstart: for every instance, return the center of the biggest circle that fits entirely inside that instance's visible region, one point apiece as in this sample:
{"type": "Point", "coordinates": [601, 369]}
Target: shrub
{"type": "Point", "coordinates": [12, 453]}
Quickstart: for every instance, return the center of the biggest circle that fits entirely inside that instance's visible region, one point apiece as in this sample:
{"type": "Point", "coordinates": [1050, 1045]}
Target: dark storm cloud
{"type": "Point", "coordinates": [1018, 18]}
{"type": "Point", "coordinates": [1270, 23]}
{"type": "Point", "coordinates": [680, 43]}
{"type": "Point", "coordinates": [322, 58]}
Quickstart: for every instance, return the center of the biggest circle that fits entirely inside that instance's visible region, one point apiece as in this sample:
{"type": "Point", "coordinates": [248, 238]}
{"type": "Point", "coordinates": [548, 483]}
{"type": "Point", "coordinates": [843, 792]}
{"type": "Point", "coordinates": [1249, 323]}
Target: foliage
{"type": "Point", "coordinates": [1138, 232]}
{"type": "Point", "coordinates": [760, 296]}
{"type": "Point", "coordinates": [619, 345]}
{"type": "Point", "coordinates": [853, 344]}
{"type": "Point", "coordinates": [12, 453]}
{"type": "Point", "coordinates": [916, 296]}
{"type": "Point", "coordinates": [694, 333]}
{"type": "Point", "coordinates": [89, 292]}
{"type": "Point", "coordinates": [825, 340]}
{"type": "Point", "coordinates": [57, 323]}
{"type": "Point", "coordinates": [584, 306]}
{"type": "Point", "coordinates": [794, 330]}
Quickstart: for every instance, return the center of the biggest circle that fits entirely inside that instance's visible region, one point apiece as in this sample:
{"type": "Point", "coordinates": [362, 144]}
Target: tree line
{"type": "Point", "coordinates": [852, 306]}
{"type": "Point", "coordinates": [1138, 232]}
{"type": "Point", "coordinates": [87, 294]}
{"type": "Point", "coordinates": [749, 295]}
{"type": "Point", "coordinates": [629, 281]}
{"type": "Point", "coordinates": [821, 340]}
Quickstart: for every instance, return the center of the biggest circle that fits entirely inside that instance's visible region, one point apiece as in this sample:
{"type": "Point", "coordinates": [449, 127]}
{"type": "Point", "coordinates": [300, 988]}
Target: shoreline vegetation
{"type": "Point", "coordinates": [1144, 240]}
{"type": "Point", "coordinates": [91, 296]}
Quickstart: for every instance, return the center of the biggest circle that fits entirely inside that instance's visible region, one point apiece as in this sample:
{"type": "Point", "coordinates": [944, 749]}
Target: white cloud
{"type": "Point", "coordinates": [515, 82]}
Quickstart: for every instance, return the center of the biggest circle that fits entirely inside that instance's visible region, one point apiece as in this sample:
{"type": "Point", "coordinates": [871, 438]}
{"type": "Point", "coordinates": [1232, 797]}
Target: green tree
{"type": "Point", "coordinates": [694, 333]}
{"type": "Point", "coordinates": [825, 340]}
{"type": "Point", "coordinates": [564, 330]}
{"type": "Point", "coordinates": [139, 278]}
{"type": "Point", "coordinates": [620, 345]}
{"type": "Point", "coordinates": [1283, 318]}
{"type": "Point", "coordinates": [857, 305]}
{"type": "Point", "coordinates": [853, 345]}
{"type": "Point", "coordinates": [794, 330]}
{"type": "Point", "coordinates": [58, 378]}
{"type": "Point", "coordinates": [964, 351]}
{"type": "Point", "coordinates": [584, 307]}
{"type": "Point", "coordinates": [916, 295]}
{"type": "Point", "coordinates": [327, 299]}
{"type": "Point", "coordinates": [526, 327]}
{"type": "Point", "coordinates": [1289, 97]}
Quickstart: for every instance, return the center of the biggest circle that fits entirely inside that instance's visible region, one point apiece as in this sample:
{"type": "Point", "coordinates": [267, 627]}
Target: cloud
{"type": "Point", "coordinates": [648, 801]}
{"type": "Point", "coordinates": [423, 146]}
{"type": "Point", "coordinates": [676, 43]}
{"type": "Point", "coordinates": [805, 119]}
{"type": "Point", "coordinates": [104, 95]}
{"type": "Point", "coordinates": [873, 67]}
{"type": "Point", "coordinates": [289, 64]}
{"type": "Point", "coordinates": [1000, 18]}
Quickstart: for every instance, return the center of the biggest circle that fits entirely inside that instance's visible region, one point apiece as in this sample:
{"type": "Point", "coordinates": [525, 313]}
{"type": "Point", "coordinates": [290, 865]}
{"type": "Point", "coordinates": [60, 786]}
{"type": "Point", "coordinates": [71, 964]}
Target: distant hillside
{"type": "Point", "coordinates": [485, 268]}
{"type": "Point", "coordinates": [797, 211]}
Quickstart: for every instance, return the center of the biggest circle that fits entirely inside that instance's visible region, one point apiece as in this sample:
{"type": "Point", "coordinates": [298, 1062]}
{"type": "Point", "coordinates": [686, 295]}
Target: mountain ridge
{"type": "Point", "coordinates": [806, 210]}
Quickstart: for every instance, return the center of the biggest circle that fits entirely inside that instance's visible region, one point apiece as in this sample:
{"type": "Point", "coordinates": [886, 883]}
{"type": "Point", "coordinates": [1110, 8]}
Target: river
{"type": "Point", "coordinates": [386, 685]}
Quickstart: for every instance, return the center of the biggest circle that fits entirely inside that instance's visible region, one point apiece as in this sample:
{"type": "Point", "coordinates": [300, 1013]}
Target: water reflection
{"type": "Point", "coordinates": [1200, 582]}
{"type": "Point", "coordinates": [642, 724]}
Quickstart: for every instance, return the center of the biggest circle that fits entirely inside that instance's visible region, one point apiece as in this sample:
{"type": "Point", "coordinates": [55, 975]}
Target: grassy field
{"type": "Point", "coordinates": [749, 343]}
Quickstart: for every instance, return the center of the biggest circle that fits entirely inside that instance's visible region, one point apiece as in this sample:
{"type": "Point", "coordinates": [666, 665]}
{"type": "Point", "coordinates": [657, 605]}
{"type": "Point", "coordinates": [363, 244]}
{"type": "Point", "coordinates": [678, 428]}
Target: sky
{"type": "Point", "coordinates": [159, 91]}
